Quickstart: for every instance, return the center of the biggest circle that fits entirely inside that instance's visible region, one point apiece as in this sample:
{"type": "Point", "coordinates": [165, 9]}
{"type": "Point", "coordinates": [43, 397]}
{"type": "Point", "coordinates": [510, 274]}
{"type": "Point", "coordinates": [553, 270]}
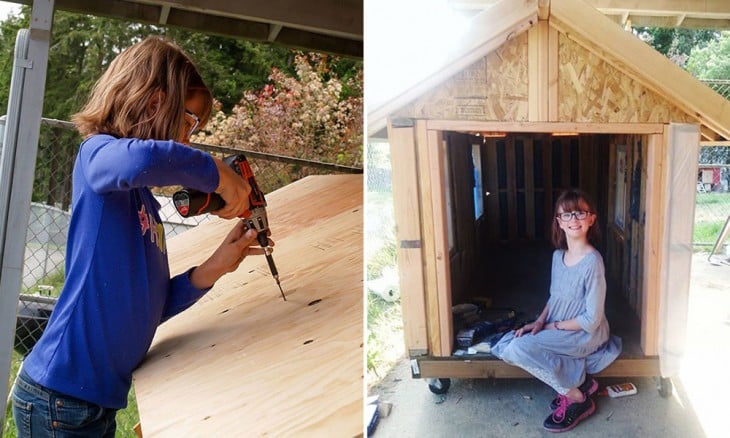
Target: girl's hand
{"type": "Point", "coordinates": [532, 328]}
{"type": "Point", "coordinates": [226, 258]}
{"type": "Point", "coordinates": [233, 189]}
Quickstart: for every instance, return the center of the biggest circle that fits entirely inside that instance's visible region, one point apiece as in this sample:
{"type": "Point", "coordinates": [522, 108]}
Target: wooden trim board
{"type": "Point", "coordinates": [410, 244]}
{"type": "Point", "coordinates": [578, 127]}
{"type": "Point", "coordinates": [241, 356]}
{"type": "Point", "coordinates": [538, 69]}
{"type": "Point", "coordinates": [436, 156]}
{"type": "Point", "coordinates": [429, 252]}
{"type": "Point", "coordinates": [654, 224]}
{"type": "Point", "coordinates": [430, 367]}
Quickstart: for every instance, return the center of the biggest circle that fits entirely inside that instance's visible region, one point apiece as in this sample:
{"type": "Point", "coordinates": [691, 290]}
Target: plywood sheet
{"type": "Point", "coordinates": [492, 88]}
{"type": "Point", "coordinates": [592, 90]}
{"type": "Point", "coordinates": [242, 361]}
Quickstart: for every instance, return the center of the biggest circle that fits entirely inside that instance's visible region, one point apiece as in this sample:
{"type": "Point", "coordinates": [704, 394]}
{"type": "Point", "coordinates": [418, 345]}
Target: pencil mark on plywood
{"type": "Point", "coordinates": [327, 243]}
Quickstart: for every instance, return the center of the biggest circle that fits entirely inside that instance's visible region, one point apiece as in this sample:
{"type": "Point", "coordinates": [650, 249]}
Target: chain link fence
{"type": "Point", "coordinates": [43, 273]}
{"type": "Point", "coordinates": [712, 212]}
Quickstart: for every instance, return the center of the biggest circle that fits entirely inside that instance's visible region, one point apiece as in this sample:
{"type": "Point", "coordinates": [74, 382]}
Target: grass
{"type": "Point", "coordinates": [711, 212]}
{"type": "Point", "coordinates": [55, 280]}
{"type": "Point", "coordinates": [705, 199]}
{"type": "Point", "coordinates": [385, 344]}
{"type": "Point", "coordinates": [707, 232]}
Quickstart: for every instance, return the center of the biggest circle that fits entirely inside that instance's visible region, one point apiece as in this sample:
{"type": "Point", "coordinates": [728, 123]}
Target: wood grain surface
{"type": "Point", "coordinates": [241, 361]}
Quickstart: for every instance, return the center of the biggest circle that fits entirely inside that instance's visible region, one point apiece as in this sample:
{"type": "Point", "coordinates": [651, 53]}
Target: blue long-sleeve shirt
{"type": "Point", "coordinates": [118, 287]}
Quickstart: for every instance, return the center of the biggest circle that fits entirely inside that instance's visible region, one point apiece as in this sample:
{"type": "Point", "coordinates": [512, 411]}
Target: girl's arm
{"type": "Point", "coordinates": [113, 164]}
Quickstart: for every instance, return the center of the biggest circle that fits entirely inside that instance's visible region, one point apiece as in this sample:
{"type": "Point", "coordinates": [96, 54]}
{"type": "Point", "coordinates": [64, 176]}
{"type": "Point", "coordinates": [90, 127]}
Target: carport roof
{"type": "Point", "coordinates": [332, 26]}
{"type": "Point", "coordinates": [698, 14]}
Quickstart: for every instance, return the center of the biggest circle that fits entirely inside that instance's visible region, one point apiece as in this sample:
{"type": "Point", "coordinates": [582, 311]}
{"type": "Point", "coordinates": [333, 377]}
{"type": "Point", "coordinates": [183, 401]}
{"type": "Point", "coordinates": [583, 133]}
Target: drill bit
{"type": "Point", "coordinates": [274, 271]}
{"type": "Point", "coordinates": [263, 240]}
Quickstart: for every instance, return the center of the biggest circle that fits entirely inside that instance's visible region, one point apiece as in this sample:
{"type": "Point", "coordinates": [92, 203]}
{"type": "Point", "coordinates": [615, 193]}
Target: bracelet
{"type": "Point", "coordinates": [555, 324]}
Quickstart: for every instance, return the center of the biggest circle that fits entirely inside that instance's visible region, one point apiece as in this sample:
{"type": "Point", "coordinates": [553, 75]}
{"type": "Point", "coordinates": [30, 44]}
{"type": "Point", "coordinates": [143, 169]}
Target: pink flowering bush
{"type": "Point", "coordinates": [307, 116]}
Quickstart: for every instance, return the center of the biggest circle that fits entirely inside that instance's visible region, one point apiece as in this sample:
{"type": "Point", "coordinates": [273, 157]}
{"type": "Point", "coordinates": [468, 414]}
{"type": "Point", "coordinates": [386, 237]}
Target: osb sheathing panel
{"type": "Point", "coordinates": [492, 89]}
{"type": "Point", "coordinates": [241, 361]}
{"type": "Point", "coordinates": [592, 90]}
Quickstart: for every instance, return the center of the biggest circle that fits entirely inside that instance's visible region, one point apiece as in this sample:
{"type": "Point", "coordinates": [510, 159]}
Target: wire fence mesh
{"type": "Point", "coordinates": [721, 86]}
{"type": "Point", "coordinates": [712, 208]}
{"type": "Point", "coordinates": [712, 211]}
{"type": "Point", "coordinates": [45, 252]}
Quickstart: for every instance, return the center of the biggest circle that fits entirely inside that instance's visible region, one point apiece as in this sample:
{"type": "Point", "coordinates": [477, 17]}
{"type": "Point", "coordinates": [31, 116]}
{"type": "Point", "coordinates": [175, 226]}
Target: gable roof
{"type": "Point", "coordinates": [598, 34]}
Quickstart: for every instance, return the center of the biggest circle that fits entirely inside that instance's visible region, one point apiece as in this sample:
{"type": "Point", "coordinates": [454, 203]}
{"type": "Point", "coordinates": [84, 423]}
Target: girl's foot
{"type": "Point", "coordinates": [568, 414]}
{"type": "Point", "coordinates": [588, 387]}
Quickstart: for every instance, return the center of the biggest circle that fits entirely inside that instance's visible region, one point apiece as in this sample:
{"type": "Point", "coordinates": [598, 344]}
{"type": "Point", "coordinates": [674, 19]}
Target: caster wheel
{"type": "Point", "coordinates": [664, 386]}
{"type": "Point", "coordinates": [439, 386]}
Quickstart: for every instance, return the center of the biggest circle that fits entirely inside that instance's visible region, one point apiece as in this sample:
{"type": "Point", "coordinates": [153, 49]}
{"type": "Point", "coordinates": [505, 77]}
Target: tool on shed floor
{"type": "Point", "coordinates": [190, 202]}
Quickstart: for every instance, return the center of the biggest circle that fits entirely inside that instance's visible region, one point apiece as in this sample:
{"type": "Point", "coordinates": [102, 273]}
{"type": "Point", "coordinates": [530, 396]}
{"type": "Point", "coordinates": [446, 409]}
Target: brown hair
{"type": "Point", "coordinates": [142, 94]}
{"type": "Point", "coordinates": [571, 200]}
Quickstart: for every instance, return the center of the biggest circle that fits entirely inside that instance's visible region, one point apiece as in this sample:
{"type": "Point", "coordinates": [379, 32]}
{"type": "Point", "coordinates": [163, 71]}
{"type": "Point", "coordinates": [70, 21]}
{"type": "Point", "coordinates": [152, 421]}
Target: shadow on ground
{"type": "Point", "coordinates": [517, 408]}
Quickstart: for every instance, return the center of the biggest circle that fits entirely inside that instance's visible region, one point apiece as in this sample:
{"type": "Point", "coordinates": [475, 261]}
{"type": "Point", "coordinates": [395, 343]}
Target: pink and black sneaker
{"type": "Point", "coordinates": [568, 414]}
{"type": "Point", "coordinates": [588, 387]}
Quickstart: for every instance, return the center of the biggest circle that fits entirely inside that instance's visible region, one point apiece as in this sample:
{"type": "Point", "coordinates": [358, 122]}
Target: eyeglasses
{"type": "Point", "coordinates": [194, 123]}
{"type": "Point", "coordinates": [566, 216]}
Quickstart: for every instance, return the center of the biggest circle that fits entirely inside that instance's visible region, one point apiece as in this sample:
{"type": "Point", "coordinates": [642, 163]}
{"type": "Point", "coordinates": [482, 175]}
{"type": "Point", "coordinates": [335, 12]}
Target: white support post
{"type": "Point", "coordinates": [17, 170]}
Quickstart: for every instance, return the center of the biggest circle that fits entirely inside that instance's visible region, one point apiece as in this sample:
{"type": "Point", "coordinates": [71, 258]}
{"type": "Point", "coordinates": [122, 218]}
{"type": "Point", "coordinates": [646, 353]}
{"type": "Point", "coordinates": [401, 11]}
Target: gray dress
{"type": "Point", "coordinates": [561, 358]}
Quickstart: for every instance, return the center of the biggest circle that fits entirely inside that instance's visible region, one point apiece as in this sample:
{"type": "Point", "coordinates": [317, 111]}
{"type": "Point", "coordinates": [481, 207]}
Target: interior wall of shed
{"type": "Point", "coordinates": [506, 252]}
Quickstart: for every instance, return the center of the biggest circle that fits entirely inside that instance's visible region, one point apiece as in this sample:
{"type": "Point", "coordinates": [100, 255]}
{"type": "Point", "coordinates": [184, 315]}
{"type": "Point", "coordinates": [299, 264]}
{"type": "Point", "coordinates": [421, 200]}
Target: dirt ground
{"type": "Point", "coordinates": [517, 407]}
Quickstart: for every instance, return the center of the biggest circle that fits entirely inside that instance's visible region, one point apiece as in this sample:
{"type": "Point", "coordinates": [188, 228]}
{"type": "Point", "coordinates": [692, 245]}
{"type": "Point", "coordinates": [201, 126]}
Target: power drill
{"type": "Point", "coordinates": [189, 202]}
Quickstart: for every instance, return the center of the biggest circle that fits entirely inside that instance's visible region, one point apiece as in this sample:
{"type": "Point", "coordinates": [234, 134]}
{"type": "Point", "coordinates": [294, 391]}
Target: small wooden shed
{"type": "Point", "coordinates": [544, 96]}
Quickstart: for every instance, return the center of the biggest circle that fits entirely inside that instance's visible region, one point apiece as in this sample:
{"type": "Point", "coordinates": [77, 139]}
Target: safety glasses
{"type": "Point", "coordinates": [566, 216]}
{"type": "Point", "coordinates": [191, 122]}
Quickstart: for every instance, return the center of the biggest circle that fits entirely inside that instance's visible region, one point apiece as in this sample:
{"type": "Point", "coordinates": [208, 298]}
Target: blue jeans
{"type": "Point", "coordinates": [42, 412]}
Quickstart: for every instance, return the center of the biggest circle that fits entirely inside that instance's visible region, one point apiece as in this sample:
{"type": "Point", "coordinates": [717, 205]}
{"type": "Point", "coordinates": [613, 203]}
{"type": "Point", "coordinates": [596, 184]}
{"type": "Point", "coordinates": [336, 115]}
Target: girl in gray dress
{"type": "Point", "coordinates": [570, 339]}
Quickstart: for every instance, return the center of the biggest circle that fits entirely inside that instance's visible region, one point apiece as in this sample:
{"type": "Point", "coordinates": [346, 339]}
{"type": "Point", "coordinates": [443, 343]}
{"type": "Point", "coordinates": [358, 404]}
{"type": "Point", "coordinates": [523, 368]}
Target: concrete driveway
{"type": "Point", "coordinates": [517, 407]}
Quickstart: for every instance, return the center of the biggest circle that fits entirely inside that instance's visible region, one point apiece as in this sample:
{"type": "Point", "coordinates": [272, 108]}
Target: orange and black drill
{"type": "Point", "coordinates": [189, 202]}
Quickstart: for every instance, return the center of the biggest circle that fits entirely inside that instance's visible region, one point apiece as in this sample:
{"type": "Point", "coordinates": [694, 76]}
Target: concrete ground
{"type": "Point", "coordinates": [517, 407]}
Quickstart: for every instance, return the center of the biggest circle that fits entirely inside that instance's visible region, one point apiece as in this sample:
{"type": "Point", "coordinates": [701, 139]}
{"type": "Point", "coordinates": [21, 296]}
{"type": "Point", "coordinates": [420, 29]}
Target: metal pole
{"type": "Point", "coordinates": [18, 168]}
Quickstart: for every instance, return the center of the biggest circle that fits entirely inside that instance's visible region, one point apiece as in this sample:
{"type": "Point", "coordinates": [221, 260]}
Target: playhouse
{"type": "Point", "coordinates": [540, 97]}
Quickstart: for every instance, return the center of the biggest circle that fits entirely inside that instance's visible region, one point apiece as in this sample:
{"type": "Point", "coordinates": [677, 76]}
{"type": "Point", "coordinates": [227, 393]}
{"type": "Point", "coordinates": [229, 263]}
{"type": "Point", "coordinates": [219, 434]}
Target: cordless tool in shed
{"type": "Point", "coordinates": [189, 202]}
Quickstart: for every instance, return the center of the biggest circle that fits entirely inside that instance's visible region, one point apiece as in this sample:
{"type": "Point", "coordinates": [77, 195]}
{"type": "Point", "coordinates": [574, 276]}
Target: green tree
{"type": "Point", "coordinates": [712, 61]}
{"type": "Point", "coordinates": [82, 47]}
{"type": "Point", "coordinates": [676, 43]}
{"type": "Point", "coordinates": [230, 65]}
{"type": "Point", "coordinates": [8, 30]}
